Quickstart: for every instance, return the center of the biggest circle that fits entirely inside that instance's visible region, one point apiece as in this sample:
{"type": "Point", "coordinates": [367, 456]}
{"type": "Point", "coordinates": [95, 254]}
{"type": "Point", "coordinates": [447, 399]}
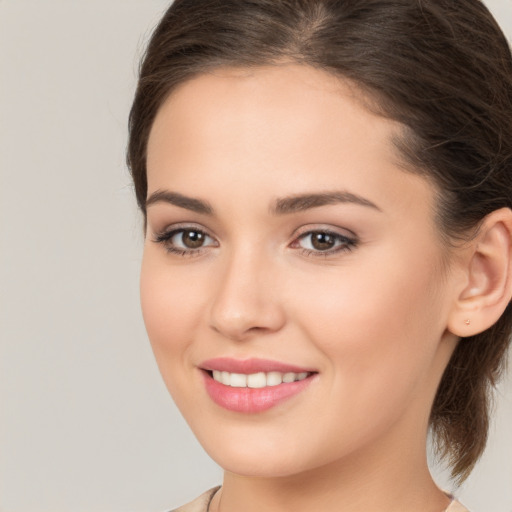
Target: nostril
{"type": "Point", "coordinates": [247, 319]}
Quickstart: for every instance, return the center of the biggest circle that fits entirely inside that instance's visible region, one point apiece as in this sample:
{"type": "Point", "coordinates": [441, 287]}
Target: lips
{"type": "Point", "coordinates": [253, 385]}
{"type": "Point", "coordinates": [249, 366]}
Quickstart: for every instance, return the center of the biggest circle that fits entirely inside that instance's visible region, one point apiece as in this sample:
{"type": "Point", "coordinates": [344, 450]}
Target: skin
{"type": "Point", "coordinates": [371, 319]}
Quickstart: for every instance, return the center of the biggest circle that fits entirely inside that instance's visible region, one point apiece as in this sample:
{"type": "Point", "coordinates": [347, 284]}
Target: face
{"type": "Point", "coordinates": [292, 283]}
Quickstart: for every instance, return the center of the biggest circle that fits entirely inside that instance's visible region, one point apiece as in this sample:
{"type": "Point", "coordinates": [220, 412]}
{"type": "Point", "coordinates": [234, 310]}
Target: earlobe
{"type": "Point", "coordinates": [488, 269]}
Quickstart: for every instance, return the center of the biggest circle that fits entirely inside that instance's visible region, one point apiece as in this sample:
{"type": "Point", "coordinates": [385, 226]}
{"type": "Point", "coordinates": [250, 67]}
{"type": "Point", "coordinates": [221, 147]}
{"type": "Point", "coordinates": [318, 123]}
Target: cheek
{"type": "Point", "coordinates": [381, 324]}
{"type": "Point", "coordinates": [172, 310]}
{"type": "Point", "coordinates": [375, 331]}
{"type": "Point", "coordinates": [170, 306]}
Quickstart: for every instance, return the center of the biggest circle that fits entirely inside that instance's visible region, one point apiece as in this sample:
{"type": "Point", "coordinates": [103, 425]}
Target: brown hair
{"type": "Point", "coordinates": [442, 68]}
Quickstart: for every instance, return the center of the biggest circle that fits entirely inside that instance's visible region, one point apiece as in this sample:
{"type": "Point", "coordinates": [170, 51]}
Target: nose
{"type": "Point", "coordinates": [246, 300]}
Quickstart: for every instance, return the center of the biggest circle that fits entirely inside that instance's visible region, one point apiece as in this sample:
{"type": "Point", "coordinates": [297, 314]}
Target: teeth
{"type": "Point", "coordinates": [289, 377]}
{"type": "Point", "coordinates": [256, 380]}
{"type": "Point", "coordinates": [274, 378]}
{"type": "Point", "coordinates": [238, 380]}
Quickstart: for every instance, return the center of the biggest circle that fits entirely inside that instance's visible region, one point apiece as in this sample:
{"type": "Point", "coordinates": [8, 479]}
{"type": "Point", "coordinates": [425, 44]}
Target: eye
{"type": "Point", "coordinates": [324, 242]}
{"type": "Point", "coordinates": [185, 240]}
{"type": "Point", "coordinates": [189, 239]}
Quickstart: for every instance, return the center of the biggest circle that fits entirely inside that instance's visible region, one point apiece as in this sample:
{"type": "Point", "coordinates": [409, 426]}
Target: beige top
{"type": "Point", "coordinates": [201, 504]}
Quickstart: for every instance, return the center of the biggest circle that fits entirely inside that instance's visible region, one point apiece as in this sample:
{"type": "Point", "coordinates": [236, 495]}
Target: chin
{"type": "Point", "coordinates": [261, 455]}
{"type": "Point", "coordinates": [258, 467]}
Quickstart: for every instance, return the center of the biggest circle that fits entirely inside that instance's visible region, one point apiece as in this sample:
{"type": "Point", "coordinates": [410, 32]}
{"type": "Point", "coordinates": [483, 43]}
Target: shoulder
{"type": "Point", "coordinates": [200, 504]}
{"type": "Point", "coordinates": [455, 506]}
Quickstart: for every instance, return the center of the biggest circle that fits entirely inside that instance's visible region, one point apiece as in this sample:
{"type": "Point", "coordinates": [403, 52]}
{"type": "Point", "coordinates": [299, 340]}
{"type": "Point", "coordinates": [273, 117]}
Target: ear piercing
{"type": "Point", "coordinates": [467, 321]}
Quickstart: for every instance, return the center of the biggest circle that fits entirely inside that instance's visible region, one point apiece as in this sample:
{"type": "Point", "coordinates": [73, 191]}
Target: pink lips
{"type": "Point", "coordinates": [252, 400]}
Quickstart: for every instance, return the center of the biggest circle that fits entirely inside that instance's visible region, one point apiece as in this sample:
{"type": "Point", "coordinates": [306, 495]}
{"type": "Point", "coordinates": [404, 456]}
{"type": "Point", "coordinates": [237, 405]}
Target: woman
{"type": "Point", "coordinates": [326, 186]}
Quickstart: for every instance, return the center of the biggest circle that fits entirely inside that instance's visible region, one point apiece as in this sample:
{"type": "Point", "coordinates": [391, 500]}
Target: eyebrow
{"type": "Point", "coordinates": [189, 203]}
{"type": "Point", "coordinates": [303, 202]}
{"type": "Point", "coordinates": [282, 206]}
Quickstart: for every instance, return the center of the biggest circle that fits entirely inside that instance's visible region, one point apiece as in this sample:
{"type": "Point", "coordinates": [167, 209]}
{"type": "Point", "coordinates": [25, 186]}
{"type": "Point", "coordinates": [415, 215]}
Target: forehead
{"type": "Point", "coordinates": [305, 92]}
{"type": "Point", "coordinates": [278, 130]}
{"type": "Point", "coordinates": [266, 108]}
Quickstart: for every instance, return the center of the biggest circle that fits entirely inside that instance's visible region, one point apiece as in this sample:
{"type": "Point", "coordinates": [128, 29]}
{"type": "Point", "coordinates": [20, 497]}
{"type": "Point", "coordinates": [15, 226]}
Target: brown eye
{"type": "Point", "coordinates": [191, 239]}
{"type": "Point", "coordinates": [185, 240]}
{"type": "Point", "coordinates": [322, 241]}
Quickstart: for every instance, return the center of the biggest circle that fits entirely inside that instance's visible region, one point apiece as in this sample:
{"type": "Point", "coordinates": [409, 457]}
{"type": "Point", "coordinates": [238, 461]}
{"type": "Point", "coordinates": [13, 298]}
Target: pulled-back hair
{"type": "Point", "coordinates": [442, 68]}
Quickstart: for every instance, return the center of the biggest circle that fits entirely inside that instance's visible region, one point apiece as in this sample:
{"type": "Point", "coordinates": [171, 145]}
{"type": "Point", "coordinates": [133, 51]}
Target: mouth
{"type": "Point", "coordinates": [256, 380]}
{"type": "Point", "coordinates": [255, 385]}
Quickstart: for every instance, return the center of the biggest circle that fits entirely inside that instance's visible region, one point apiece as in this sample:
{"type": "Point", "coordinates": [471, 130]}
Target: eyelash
{"type": "Point", "coordinates": [165, 238]}
{"type": "Point", "coordinates": [345, 243]}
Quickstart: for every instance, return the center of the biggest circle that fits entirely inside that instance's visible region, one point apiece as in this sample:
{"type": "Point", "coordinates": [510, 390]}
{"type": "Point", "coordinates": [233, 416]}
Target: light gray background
{"type": "Point", "coordinates": [85, 421]}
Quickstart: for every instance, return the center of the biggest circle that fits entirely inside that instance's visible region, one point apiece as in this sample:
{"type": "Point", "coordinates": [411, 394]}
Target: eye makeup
{"type": "Point", "coordinates": [190, 240]}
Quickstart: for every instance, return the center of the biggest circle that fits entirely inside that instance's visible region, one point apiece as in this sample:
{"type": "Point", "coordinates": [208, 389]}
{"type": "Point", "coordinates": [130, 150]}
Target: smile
{"type": "Point", "coordinates": [257, 380]}
{"type": "Point", "coordinates": [254, 385]}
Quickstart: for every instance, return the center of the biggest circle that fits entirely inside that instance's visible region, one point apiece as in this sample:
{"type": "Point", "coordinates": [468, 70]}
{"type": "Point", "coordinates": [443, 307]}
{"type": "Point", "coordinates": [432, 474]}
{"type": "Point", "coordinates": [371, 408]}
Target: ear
{"type": "Point", "coordinates": [486, 288]}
